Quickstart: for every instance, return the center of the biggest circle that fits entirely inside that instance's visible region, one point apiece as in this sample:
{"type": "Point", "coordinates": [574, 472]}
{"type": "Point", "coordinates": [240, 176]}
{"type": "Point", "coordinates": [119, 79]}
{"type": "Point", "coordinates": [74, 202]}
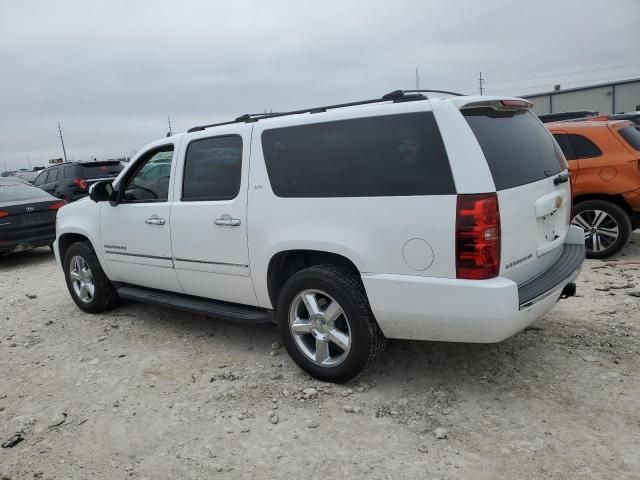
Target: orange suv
{"type": "Point", "coordinates": [604, 161]}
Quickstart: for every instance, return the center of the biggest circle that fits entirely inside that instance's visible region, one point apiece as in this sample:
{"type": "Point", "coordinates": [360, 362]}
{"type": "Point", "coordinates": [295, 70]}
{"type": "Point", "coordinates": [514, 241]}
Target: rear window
{"type": "Point", "coordinates": [100, 170]}
{"type": "Point", "coordinates": [17, 191]}
{"type": "Point", "coordinates": [518, 148]}
{"type": "Point", "coordinates": [632, 136]}
{"type": "Point", "coordinates": [392, 155]}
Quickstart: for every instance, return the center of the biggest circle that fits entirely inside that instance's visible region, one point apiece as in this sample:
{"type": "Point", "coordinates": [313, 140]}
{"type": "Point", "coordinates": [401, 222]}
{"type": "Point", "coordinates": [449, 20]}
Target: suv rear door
{"type": "Point", "coordinates": [209, 216]}
{"type": "Point", "coordinates": [531, 180]}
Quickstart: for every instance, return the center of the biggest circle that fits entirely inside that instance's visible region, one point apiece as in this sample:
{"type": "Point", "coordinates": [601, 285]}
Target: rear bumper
{"type": "Point", "coordinates": [566, 267]}
{"type": "Point", "coordinates": [28, 243]}
{"type": "Point", "coordinates": [475, 311]}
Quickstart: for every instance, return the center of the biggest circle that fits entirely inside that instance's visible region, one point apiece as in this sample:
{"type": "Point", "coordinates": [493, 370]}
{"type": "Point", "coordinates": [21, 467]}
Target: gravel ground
{"type": "Point", "coordinates": [143, 392]}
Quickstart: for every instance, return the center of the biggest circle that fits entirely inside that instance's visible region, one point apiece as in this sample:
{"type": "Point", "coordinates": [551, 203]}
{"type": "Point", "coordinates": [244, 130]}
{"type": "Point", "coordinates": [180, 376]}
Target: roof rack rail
{"type": "Point", "coordinates": [400, 93]}
{"type": "Point", "coordinates": [395, 96]}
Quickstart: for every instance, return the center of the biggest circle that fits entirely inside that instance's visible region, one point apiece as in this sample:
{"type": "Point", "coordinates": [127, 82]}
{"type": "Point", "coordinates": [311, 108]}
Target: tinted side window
{"type": "Point", "coordinates": [53, 175]}
{"type": "Point", "coordinates": [150, 180]}
{"type": "Point", "coordinates": [41, 179]}
{"type": "Point", "coordinates": [212, 169]}
{"type": "Point", "coordinates": [390, 155]}
{"type": "Point", "coordinates": [70, 171]}
{"type": "Point", "coordinates": [584, 147]}
{"type": "Point", "coordinates": [632, 135]}
{"type": "Point", "coordinates": [518, 148]}
{"type": "Point", "coordinates": [565, 145]}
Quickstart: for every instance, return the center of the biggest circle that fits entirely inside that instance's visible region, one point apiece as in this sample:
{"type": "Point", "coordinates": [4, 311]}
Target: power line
{"type": "Point", "coordinates": [64, 152]}
{"type": "Point", "coordinates": [559, 74]}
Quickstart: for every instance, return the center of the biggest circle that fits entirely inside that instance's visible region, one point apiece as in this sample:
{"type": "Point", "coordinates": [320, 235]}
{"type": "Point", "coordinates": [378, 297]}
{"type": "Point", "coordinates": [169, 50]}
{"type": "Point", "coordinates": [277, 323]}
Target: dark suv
{"type": "Point", "coordinates": [70, 181]}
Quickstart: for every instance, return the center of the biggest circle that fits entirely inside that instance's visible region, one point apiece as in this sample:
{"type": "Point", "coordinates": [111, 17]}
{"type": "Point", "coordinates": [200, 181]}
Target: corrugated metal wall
{"type": "Point", "coordinates": [628, 97]}
{"type": "Point", "coordinates": [600, 99]}
{"type": "Point", "coordinates": [540, 104]}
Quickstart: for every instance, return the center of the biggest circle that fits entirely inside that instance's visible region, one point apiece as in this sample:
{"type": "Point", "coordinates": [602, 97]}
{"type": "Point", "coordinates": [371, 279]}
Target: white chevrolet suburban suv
{"type": "Point", "coordinates": [402, 217]}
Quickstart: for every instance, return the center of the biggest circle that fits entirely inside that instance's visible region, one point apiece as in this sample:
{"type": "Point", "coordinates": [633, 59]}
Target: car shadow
{"type": "Point", "coordinates": [405, 364]}
{"type": "Point", "coordinates": [26, 258]}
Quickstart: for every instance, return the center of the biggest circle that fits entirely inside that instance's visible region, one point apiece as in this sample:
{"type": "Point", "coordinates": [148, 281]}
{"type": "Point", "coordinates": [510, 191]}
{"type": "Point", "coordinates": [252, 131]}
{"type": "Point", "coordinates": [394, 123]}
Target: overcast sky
{"type": "Point", "coordinates": [112, 71]}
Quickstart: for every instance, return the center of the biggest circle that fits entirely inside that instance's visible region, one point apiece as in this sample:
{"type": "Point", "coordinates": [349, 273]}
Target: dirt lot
{"type": "Point", "coordinates": [142, 392]}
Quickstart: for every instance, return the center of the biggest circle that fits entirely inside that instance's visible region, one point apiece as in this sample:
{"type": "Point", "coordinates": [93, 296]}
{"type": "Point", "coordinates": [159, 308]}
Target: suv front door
{"type": "Point", "coordinates": [208, 217]}
{"type": "Point", "coordinates": [135, 233]}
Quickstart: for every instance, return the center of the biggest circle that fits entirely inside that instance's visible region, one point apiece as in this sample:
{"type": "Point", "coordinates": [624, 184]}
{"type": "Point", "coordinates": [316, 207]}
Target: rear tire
{"type": "Point", "coordinates": [607, 227]}
{"type": "Point", "coordinates": [341, 338]}
{"type": "Point", "coordinates": [87, 283]}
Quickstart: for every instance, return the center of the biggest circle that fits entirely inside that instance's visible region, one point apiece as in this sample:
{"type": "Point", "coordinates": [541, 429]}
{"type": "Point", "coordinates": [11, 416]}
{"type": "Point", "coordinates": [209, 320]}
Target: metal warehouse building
{"type": "Point", "coordinates": [605, 98]}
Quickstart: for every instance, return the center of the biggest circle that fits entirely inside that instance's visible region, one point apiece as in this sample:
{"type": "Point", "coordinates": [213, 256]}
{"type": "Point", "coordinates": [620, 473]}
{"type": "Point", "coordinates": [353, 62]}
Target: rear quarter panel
{"type": "Point", "coordinates": [610, 173]}
{"type": "Point", "coordinates": [369, 231]}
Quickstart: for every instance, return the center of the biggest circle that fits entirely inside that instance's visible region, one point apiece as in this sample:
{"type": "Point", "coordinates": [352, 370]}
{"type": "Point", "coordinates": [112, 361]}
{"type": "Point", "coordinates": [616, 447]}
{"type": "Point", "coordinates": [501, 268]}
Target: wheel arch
{"type": "Point", "coordinates": [286, 263]}
{"type": "Point", "coordinates": [615, 199]}
{"type": "Point", "coordinates": [67, 239]}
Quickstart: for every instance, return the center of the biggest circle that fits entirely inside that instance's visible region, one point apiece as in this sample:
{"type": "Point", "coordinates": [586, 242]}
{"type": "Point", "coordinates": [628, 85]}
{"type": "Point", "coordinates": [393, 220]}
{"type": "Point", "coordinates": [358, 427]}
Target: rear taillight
{"type": "Point", "coordinates": [81, 183]}
{"type": "Point", "coordinates": [477, 236]}
{"type": "Point", "coordinates": [3, 214]}
{"type": "Point", "coordinates": [57, 205]}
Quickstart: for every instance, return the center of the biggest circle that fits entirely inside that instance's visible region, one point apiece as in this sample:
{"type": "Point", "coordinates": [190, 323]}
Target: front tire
{"type": "Point", "coordinates": [326, 323]}
{"type": "Point", "coordinates": [606, 225]}
{"type": "Point", "coordinates": [87, 283]}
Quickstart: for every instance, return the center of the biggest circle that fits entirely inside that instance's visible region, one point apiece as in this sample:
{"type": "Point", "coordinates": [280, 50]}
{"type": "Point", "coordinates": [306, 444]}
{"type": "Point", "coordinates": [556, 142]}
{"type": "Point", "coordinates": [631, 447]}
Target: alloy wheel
{"type": "Point", "coordinates": [601, 230]}
{"type": "Point", "coordinates": [81, 279]}
{"type": "Point", "coordinates": [320, 328]}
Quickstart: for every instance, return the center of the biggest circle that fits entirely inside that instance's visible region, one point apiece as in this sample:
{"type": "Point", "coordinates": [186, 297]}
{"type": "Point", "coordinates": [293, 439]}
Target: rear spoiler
{"type": "Point", "coordinates": [505, 104]}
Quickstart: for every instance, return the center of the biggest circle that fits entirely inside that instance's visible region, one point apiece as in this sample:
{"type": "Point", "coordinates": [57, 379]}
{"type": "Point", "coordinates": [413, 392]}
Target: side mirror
{"type": "Point", "coordinates": [101, 191]}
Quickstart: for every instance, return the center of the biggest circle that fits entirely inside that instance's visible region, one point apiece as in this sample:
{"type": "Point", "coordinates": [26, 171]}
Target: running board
{"type": "Point", "coordinates": [201, 306]}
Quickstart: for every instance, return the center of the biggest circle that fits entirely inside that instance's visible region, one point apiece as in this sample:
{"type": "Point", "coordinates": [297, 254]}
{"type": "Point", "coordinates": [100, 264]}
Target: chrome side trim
{"type": "Point", "coordinates": [207, 262]}
{"type": "Point", "coordinates": [111, 252]}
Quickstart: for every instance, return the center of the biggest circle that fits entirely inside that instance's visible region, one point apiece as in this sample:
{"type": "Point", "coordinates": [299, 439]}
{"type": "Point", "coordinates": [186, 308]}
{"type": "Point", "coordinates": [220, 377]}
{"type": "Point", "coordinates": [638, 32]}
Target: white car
{"type": "Point", "coordinates": [400, 217]}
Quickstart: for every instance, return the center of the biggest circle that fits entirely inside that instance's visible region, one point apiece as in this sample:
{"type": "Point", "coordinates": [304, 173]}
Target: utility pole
{"type": "Point", "coordinates": [28, 162]}
{"type": "Point", "coordinates": [170, 130]}
{"type": "Point", "coordinates": [481, 82]}
{"type": "Point", "coordinates": [64, 152]}
{"type": "Point", "coordinates": [417, 79]}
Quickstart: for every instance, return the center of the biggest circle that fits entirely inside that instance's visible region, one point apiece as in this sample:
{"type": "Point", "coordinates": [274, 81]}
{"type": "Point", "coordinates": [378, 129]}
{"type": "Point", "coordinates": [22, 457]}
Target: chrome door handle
{"type": "Point", "coordinates": [227, 221]}
{"type": "Point", "coordinates": [154, 220]}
